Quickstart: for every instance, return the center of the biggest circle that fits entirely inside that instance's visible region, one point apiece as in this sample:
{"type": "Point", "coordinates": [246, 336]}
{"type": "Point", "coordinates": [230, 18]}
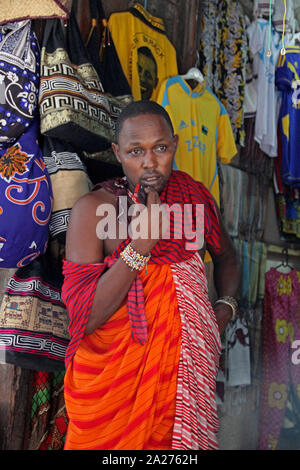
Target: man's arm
{"type": "Point", "coordinates": [226, 274]}
{"type": "Point", "coordinates": [84, 247]}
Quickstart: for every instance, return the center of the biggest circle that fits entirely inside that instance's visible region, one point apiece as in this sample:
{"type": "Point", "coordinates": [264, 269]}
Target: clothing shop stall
{"type": "Point", "coordinates": [228, 73]}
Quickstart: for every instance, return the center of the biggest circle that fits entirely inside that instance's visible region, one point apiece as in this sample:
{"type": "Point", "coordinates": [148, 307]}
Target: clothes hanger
{"type": "Point", "coordinates": [285, 262]}
{"type": "Point", "coordinates": [296, 38]}
{"type": "Point", "coordinates": [193, 74]}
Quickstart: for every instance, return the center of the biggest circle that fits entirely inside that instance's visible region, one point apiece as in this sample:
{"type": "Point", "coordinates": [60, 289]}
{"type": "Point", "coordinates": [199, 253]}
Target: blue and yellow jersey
{"type": "Point", "coordinates": [288, 81]}
{"type": "Point", "coordinates": [204, 130]}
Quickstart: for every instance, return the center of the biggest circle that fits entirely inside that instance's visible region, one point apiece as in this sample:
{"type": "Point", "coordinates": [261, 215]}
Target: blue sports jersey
{"type": "Point", "coordinates": [288, 81]}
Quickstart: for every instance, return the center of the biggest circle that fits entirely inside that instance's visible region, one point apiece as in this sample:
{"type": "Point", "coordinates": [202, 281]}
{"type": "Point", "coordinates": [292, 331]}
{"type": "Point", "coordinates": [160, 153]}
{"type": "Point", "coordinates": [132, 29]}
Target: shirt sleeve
{"type": "Point", "coordinates": [226, 148]}
{"type": "Point", "coordinates": [255, 37]}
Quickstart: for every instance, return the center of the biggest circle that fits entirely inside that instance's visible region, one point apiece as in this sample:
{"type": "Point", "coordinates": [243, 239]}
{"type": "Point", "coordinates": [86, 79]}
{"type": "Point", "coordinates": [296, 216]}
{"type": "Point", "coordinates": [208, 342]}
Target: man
{"type": "Point", "coordinates": [147, 70]}
{"type": "Point", "coordinates": [145, 341]}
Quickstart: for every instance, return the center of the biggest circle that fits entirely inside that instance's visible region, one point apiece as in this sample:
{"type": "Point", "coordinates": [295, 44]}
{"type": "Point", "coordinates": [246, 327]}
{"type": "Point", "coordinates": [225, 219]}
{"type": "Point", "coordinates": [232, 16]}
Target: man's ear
{"type": "Point", "coordinates": [175, 142]}
{"type": "Point", "coordinates": [116, 151]}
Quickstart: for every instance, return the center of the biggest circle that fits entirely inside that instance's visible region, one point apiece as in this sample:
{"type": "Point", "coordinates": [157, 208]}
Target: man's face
{"type": "Point", "coordinates": [147, 74]}
{"type": "Point", "coordinates": [146, 149]}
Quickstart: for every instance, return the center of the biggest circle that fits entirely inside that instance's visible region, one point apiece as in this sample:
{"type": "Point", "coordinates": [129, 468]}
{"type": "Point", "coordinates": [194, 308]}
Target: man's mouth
{"type": "Point", "coordinates": [151, 180]}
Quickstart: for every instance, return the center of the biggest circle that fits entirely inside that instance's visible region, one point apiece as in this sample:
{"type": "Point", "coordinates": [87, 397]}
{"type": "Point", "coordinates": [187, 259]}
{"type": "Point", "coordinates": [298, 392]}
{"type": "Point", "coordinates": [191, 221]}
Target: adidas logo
{"type": "Point", "coordinates": [183, 125]}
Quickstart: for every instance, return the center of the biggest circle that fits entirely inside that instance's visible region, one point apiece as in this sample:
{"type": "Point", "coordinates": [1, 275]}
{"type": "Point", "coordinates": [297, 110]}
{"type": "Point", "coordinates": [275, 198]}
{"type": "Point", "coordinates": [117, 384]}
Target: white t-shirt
{"type": "Point", "coordinates": [268, 97]}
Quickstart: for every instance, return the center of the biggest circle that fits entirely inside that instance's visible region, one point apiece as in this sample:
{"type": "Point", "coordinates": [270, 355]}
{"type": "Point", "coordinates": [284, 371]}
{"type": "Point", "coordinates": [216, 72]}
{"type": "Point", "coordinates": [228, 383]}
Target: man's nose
{"type": "Point", "coordinates": [143, 76]}
{"type": "Point", "coordinates": [150, 159]}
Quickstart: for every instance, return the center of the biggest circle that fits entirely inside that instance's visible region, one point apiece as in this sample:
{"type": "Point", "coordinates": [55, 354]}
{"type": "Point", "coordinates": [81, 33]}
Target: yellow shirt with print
{"type": "Point", "coordinates": [204, 130]}
{"type": "Point", "coordinates": [146, 55]}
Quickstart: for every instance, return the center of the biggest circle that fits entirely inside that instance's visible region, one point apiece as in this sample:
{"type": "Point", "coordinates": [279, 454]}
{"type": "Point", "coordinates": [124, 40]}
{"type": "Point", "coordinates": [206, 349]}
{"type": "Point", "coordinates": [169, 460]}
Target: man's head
{"type": "Point", "coordinates": [145, 144]}
{"type": "Point", "coordinates": [147, 70]}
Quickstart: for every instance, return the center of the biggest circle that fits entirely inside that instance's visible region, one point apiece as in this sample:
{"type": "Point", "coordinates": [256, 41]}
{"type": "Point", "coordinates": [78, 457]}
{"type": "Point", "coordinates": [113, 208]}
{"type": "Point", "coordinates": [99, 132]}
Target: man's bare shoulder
{"type": "Point", "coordinates": [88, 203]}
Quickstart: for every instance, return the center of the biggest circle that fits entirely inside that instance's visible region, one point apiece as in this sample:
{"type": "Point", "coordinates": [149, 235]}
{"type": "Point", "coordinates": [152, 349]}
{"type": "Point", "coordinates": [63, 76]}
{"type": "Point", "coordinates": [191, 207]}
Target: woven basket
{"type": "Point", "coordinates": [16, 10]}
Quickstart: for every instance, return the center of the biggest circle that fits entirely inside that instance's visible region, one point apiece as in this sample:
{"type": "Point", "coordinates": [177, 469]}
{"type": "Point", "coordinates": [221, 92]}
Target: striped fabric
{"type": "Point", "coordinates": [184, 191]}
{"type": "Point", "coordinates": [196, 419]}
{"type": "Point", "coordinates": [81, 280]}
{"type": "Point", "coordinates": [119, 394]}
{"type": "Point", "coordinates": [78, 294]}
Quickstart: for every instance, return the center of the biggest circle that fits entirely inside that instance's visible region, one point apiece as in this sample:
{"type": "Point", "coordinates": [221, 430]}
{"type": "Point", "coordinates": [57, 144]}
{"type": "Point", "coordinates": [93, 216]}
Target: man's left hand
{"type": "Point", "coordinates": [223, 314]}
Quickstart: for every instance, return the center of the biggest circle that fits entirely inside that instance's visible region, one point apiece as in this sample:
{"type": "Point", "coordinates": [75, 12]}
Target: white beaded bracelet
{"type": "Point", "coordinates": [231, 301]}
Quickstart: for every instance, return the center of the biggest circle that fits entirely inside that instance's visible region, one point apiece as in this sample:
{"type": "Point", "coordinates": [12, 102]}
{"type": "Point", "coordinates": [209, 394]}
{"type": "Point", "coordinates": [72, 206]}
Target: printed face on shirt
{"type": "Point", "coordinates": [146, 149]}
{"type": "Point", "coordinates": [147, 70]}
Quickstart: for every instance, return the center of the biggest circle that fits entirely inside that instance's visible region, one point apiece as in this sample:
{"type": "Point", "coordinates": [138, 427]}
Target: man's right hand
{"type": "Point", "coordinates": [155, 224]}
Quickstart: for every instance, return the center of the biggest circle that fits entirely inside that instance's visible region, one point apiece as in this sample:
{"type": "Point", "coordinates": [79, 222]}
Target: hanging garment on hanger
{"type": "Point", "coordinates": [288, 82]}
{"type": "Point", "coordinates": [263, 8]}
{"type": "Point", "coordinates": [268, 98]}
{"type": "Point", "coordinates": [231, 197]}
{"type": "Point", "coordinates": [204, 130]}
{"type": "Point", "coordinates": [250, 99]}
{"type": "Point", "coordinates": [283, 17]}
{"type": "Point", "coordinates": [145, 52]}
{"type": "Point", "coordinates": [279, 372]}
{"type": "Point", "coordinates": [223, 57]}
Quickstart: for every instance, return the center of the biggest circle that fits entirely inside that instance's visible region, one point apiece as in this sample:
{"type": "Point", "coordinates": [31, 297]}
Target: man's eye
{"type": "Point", "coordinates": [161, 148]}
{"type": "Point", "coordinates": [135, 152]}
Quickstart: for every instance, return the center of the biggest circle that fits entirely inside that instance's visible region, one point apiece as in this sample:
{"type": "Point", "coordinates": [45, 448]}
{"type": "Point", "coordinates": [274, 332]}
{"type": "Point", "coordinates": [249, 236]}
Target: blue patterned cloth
{"type": "Point", "coordinates": [25, 201]}
{"type": "Point", "coordinates": [19, 80]}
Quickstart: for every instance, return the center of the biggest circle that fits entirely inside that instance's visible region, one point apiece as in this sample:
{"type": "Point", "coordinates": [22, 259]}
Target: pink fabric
{"type": "Point", "coordinates": [280, 330]}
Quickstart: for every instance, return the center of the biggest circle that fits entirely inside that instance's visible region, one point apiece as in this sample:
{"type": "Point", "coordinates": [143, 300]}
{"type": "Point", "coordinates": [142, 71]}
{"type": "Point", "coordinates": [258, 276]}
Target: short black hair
{"type": "Point", "coordinates": [137, 108]}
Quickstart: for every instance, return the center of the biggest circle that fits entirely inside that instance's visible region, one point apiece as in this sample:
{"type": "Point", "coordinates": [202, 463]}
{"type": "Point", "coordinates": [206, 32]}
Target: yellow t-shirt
{"type": "Point", "coordinates": [146, 55]}
{"type": "Point", "coordinates": [204, 130]}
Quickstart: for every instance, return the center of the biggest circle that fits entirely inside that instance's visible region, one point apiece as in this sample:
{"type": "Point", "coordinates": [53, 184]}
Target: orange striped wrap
{"type": "Point", "coordinates": [120, 394]}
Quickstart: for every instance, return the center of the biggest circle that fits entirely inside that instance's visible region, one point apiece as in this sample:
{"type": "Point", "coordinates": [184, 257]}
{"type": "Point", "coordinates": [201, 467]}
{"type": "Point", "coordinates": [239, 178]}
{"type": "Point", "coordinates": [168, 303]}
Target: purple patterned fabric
{"type": "Point", "coordinates": [25, 201]}
{"type": "Point", "coordinates": [280, 371]}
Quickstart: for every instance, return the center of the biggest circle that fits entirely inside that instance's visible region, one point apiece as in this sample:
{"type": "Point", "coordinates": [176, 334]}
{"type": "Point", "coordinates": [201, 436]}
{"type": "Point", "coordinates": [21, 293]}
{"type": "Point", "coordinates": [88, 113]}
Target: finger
{"type": "Point", "coordinates": [152, 197]}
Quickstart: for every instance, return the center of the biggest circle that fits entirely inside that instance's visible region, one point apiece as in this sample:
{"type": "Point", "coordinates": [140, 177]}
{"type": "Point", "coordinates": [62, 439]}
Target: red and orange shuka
{"type": "Point", "coordinates": [158, 393]}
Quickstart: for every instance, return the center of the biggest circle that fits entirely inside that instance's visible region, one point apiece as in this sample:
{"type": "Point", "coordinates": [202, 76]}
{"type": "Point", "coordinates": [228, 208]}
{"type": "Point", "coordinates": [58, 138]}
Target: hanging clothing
{"type": "Point", "coordinates": [204, 130]}
{"type": "Point", "coordinates": [48, 421]}
{"type": "Point", "coordinates": [279, 372]}
{"type": "Point", "coordinates": [223, 57]}
{"type": "Point", "coordinates": [26, 200]}
{"type": "Point", "coordinates": [280, 10]}
{"type": "Point", "coordinates": [146, 55]}
{"type": "Point", "coordinates": [288, 82]}
{"type": "Point", "coordinates": [261, 39]}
